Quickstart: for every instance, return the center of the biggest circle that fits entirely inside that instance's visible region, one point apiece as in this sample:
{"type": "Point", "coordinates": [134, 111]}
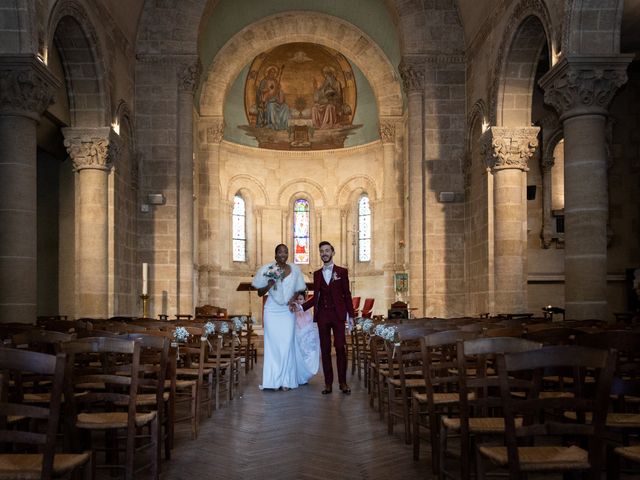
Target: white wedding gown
{"type": "Point", "coordinates": [279, 368]}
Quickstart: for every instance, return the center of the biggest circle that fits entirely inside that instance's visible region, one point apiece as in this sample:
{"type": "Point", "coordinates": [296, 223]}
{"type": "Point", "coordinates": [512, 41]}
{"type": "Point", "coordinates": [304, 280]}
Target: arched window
{"type": "Point", "coordinates": [239, 229]}
{"type": "Point", "coordinates": [301, 240]}
{"type": "Point", "coordinates": [364, 229]}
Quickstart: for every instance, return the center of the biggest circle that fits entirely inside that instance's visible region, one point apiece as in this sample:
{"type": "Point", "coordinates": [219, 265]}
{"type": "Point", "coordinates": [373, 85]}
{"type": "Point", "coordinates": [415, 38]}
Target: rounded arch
{"type": "Point", "coordinates": [353, 187]}
{"type": "Point", "coordinates": [314, 191]}
{"type": "Point", "coordinates": [310, 27]}
{"type": "Point", "coordinates": [579, 34]}
{"type": "Point", "coordinates": [71, 31]}
{"type": "Point", "coordinates": [528, 31]}
{"type": "Point", "coordinates": [247, 183]}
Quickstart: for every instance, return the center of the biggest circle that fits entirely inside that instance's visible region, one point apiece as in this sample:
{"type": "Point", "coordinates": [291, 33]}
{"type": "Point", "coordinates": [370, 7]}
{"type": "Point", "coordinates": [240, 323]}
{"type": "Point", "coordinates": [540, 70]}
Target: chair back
{"type": "Point", "coordinates": [367, 308]}
{"type": "Point", "coordinates": [547, 415]}
{"type": "Point", "coordinates": [106, 370]}
{"type": "Point", "coordinates": [38, 425]}
{"type": "Point", "coordinates": [356, 304]}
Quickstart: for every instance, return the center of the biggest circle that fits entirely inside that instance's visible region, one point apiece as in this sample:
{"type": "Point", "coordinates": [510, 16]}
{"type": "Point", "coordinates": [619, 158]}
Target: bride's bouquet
{"type": "Point", "coordinates": [274, 272]}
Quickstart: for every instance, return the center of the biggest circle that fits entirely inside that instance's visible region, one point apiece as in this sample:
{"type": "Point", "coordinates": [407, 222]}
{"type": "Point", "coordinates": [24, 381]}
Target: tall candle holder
{"type": "Point", "coordinates": [145, 305]}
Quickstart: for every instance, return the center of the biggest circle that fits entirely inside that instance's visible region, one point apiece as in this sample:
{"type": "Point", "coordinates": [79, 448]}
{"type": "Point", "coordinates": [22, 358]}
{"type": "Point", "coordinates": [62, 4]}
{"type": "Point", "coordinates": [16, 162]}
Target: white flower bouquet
{"type": "Point", "coordinates": [181, 334]}
{"type": "Point", "coordinates": [209, 328]}
{"type": "Point", "coordinates": [238, 323]}
{"type": "Point", "coordinates": [224, 327]}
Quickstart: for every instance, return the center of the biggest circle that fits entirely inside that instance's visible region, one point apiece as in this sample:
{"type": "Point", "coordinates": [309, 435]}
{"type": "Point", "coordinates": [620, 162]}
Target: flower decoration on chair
{"type": "Point", "coordinates": [274, 272]}
{"type": "Point", "coordinates": [367, 325]}
{"type": "Point", "coordinates": [181, 334]}
{"type": "Point", "coordinates": [209, 328]}
{"type": "Point", "coordinates": [224, 327]}
{"type": "Point", "coordinates": [238, 323]}
{"type": "Point", "coordinates": [378, 331]}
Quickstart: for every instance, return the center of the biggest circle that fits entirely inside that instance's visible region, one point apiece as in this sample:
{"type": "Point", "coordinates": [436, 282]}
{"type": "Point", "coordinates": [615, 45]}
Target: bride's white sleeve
{"type": "Point", "coordinates": [300, 285]}
{"type": "Point", "coordinates": [259, 280]}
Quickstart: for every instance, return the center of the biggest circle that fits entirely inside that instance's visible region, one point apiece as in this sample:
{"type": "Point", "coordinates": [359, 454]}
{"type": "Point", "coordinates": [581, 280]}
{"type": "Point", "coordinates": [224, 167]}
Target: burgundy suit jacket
{"type": "Point", "coordinates": [339, 290]}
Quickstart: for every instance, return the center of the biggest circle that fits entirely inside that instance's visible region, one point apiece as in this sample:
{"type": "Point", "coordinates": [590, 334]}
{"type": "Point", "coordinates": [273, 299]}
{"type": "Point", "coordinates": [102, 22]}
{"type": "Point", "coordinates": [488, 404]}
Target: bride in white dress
{"type": "Point", "coordinates": [281, 280]}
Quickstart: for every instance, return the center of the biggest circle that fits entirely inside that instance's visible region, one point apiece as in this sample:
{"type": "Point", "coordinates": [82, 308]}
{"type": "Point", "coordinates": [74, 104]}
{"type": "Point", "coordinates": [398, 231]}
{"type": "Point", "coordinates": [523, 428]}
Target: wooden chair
{"type": "Point", "coordinates": [529, 446]}
{"type": "Point", "coordinates": [107, 369]}
{"type": "Point", "coordinates": [404, 376]}
{"type": "Point", "coordinates": [38, 425]}
{"type": "Point", "coordinates": [356, 305]}
{"type": "Point", "coordinates": [154, 369]}
{"type": "Point", "coordinates": [441, 397]}
{"type": "Point", "coordinates": [192, 357]}
{"type": "Point", "coordinates": [378, 372]}
{"type": "Point", "coordinates": [480, 412]}
{"type": "Point", "coordinates": [367, 308]}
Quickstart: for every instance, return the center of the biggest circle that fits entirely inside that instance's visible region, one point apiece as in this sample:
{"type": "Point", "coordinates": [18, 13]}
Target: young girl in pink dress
{"type": "Point", "coordinates": [307, 343]}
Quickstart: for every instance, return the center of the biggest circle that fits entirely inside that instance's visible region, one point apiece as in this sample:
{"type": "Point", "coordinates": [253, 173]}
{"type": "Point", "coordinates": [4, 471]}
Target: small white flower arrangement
{"type": "Point", "coordinates": [367, 325]}
{"type": "Point", "coordinates": [224, 327]}
{"type": "Point", "coordinates": [389, 334]}
{"type": "Point", "coordinates": [238, 323]}
{"type": "Point", "coordinates": [378, 331]}
{"type": "Point", "coordinates": [209, 328]}
{"type": "Point", "coordinates": [181, 334]}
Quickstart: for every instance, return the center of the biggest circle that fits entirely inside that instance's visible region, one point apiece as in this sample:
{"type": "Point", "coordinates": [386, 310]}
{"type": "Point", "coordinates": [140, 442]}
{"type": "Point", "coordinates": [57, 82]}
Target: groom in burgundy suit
{"type": "Point", "coordinates": [332, 303]}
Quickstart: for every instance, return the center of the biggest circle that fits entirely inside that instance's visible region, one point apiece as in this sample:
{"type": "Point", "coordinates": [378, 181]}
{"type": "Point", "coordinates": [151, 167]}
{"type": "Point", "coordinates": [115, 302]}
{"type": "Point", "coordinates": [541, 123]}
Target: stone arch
{"type": "Point", "coordinates": [248, 184]}
{"type": "Point", "coordinates": [357, 183]}
{"type": "Point", "coordinates": [301, 27]}
{"type": "Point", "coordinates": [289, 190]}
{"type": "Point", "coordinates": [477, 116]}
{"type": "Point", "coordinates": [529, 29]}
{"type": "Point", "coordinates": [72, 32]}
{"type": "Point", "coordinates": [592, 27]}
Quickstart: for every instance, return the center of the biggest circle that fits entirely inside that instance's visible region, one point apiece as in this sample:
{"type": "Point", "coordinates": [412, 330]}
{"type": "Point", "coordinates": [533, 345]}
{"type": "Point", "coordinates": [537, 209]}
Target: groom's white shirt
{"type": "Point", "coordinates": [327, 270]}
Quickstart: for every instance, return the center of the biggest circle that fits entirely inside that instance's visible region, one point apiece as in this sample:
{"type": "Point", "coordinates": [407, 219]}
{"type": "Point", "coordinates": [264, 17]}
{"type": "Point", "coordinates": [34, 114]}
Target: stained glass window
{"type": "Point", "coordinates": [239, 230]}
{"type": "Point", "coordinates": [364, 229]}
{"type": "Point", "coordinates": [301, 231]}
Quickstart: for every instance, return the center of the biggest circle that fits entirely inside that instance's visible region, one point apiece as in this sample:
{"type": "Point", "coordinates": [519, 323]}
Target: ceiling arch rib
{"type": "Point", "coordinates": [301, 27]}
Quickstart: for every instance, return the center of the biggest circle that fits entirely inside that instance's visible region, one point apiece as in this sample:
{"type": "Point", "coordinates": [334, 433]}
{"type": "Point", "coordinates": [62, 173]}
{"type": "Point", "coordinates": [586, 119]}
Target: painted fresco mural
{"type": "Point", "coordinates": [300, 96]}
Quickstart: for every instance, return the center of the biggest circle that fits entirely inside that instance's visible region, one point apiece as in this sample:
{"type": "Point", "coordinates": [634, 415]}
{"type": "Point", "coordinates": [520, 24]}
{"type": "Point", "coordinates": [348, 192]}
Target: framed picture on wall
{"type": "Point", "coordinates": [401, 282]}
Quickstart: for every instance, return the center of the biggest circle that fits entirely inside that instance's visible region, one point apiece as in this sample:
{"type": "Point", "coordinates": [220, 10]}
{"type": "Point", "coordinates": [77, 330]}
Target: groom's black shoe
{"type": "Point", "coordinates": [327, 390]}
{"type": "Point", "coordinates": [344, 388]}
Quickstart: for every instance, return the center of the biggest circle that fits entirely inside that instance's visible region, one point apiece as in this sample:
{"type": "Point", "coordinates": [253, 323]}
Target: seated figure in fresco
{"type": "Point", "coordinates": [273, 112]}
{"type": "Point", "coordinates": [327, 97]}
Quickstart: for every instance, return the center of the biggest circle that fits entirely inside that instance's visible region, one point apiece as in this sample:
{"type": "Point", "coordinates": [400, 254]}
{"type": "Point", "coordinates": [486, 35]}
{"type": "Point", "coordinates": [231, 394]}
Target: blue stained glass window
{"type": "Point", "coordinates": [364, 229]}
{"type": "Point", "coordinates": [301, 231]}
{"type": "Point", "coordinates": [239, 230]}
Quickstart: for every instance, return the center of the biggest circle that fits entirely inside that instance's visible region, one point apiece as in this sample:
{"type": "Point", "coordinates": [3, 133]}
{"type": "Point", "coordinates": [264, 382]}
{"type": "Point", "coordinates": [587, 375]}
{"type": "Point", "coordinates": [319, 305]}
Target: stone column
{"type": "Point", "coordinates": [508, 150]}
{"type": "Point", "coordinates": [547, 229]}
{"type": "Point", "coordinates": [92, 151]}
{"type": "Point", "coordinates": [26, 90]}
{"type": "Point", "coordinates": [392, 210]}
{"type": "Point", "coordinates": [211, 130]}
{"type": "Point", "coordinates": [412, 73]}
{"type": "Point", "coordinates": [580, 88]}
{"type": "Point", "coordinates": [188, 76]}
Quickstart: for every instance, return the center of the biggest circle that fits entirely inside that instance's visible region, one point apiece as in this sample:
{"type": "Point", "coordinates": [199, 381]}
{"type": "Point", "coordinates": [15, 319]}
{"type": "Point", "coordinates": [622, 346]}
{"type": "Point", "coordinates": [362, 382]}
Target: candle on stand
{"type": "Point", "coordinates": [145, 278]}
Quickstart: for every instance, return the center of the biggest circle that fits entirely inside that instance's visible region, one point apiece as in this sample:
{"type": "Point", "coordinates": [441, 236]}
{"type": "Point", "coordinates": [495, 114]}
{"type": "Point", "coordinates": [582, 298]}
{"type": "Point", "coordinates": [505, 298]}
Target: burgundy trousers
{"type": "Point", "coordinates": [329, 322]}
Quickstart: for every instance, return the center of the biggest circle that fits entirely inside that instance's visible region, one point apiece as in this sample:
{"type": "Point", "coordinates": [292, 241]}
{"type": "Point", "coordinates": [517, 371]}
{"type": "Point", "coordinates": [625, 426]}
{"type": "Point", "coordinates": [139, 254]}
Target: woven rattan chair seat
{"type": "Point", "coordinates": [111, 420]}
{"type": "Point", "coordinates": [27, 466]}
{"type": "Point", "coordinates": [542, 458]}
{"type": "Point", "coordinates": [484, 425]}
{"type": "Point", "coordinates": [441, 398]}
{"type": "Point", "coordinates": [630, 453]}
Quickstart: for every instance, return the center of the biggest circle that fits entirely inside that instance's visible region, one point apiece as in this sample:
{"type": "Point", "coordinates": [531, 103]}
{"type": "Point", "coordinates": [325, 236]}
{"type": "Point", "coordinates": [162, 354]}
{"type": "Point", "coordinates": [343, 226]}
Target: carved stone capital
{"type": "Point", "coordinates": [26, 86]}
{"type": "Point", "coordinates": [412, 74]}
{"type": "Point", "coordinates": [188, 76]}
{"type": "Point", "coordinates": [583, 85]}
{"type": "Point", "coordinates": [387, 131]}
{"type": "Point", "coordinates": [215, 132]}
{"type": "Point", "coordinates": [93, 148]}
{"type": "Point", "coordinates": [547, 163]}
{"type": "Point", "coordinates": [509, 147]}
